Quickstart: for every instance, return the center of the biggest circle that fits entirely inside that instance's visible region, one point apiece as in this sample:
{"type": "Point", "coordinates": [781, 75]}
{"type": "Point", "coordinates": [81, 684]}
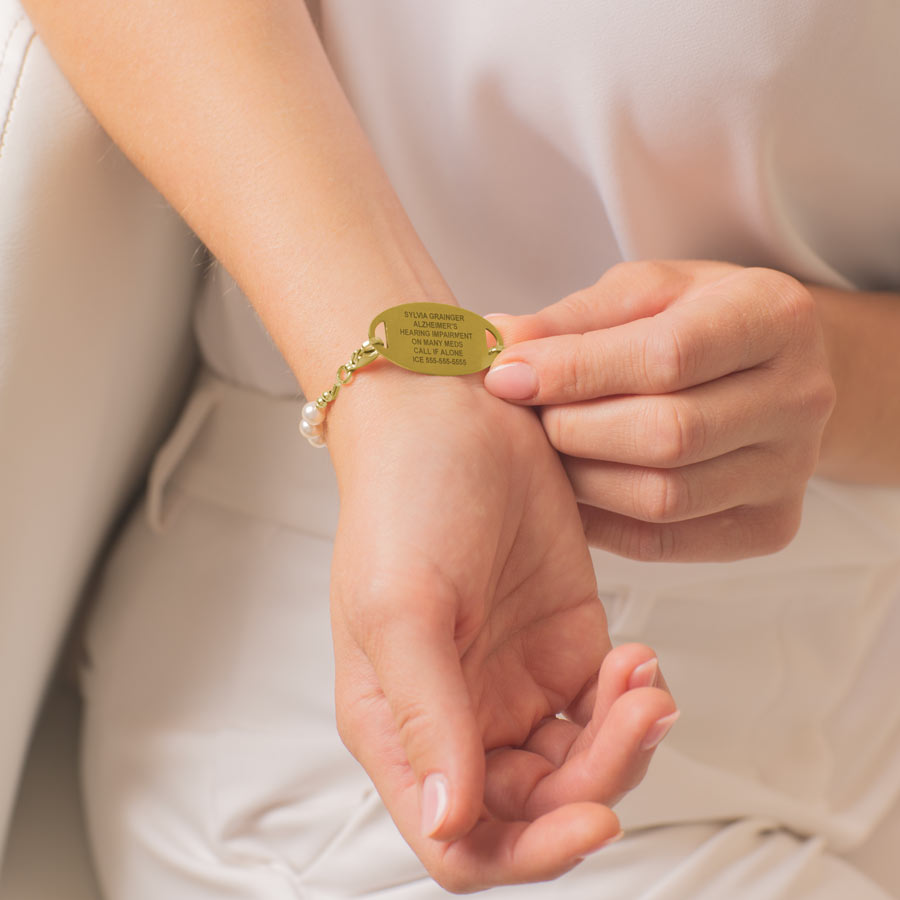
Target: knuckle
{"type": "Point", "coordinates": [632, 281]}
{"type": "Point", "coordinates": [809, 403]}
{"type": "Point", "coordinates": [580, 304]}
{"type": "Point", "coordinates": [559, 428]}
{"type": "Point", "coordinates": [820, 398]}
{"type": "Point", "coordinates": [597, 531]}
{"type": "Point", "coordinates": [779, 526]}
{"type": "Point", "coordinates": [621, 272]}
{"type": "Point", "coordinates": [413, 726]}
{"type": "Point", "coordinates": [644, 272]}
{"type": "Point", "coordinates": [655, 271]}
{"type": "Point", "coordinates": [796, 466]}
{"type": "Point", "coordinates": [650, 542]}
{"type": "Point", "coordinates": [582, 367]}
{"type": "Point", "coordinates": [796, 307]}
{"type": "Point", "coordinates": [677, 434]}
{"type": "Point", "coordinates": [569, 376]}
{"type": "Point", "coordinates": [666, 361]}
{"type": "Point", "coordinates": [662, 496]}
{"type": "Point", "coordinates": [659, 278]}
{"type": "Point", "coordinates": [656, 544]}
{"type": "Point", "coordinates": [641, 541]}
{"type": "Point", "coordinates": [780, 536]}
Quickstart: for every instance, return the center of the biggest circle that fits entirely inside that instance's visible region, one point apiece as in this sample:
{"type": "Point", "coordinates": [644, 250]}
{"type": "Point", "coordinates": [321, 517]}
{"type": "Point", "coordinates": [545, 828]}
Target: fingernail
{"type": "Point", "coordinates": [435, 802]}
{"type": "Point", "coordinates": [599, 847]}
{"type": "Point", "coordinates": [512, 381]}
{"type": "Point", "coordinates": [645, 675]}
{"type": "Point", "coordinates": [658, 730]}
{"type": "Point", "coordinates": [496, 315]}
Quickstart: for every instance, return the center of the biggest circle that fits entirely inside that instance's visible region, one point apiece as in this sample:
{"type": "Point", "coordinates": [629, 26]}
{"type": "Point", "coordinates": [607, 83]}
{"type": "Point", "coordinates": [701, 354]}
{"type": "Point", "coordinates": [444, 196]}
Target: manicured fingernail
{"type": "Point", "coordinates": [658, 730]}
{"type": "Point", "coordinates": [599, 847]}
{"type": "Point", "coordinates": [645, 675]}
{"type": "Point", "coordinates": [512, 381]}
{"type": "Point", "coordinates": [435, 802]}
{"type": "Point", "coordinates": [496, 315]}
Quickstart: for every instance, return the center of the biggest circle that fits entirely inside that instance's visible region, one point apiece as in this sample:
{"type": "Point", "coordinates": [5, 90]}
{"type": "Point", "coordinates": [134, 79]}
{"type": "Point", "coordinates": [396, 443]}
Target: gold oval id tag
{"type": "Point", "coordinates": [435, 338]}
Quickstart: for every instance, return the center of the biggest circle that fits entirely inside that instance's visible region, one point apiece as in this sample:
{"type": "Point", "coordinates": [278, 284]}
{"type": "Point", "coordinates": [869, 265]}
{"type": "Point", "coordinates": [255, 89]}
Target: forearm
{"type": "Point", "coordinates": [231, 109]}
{"type": "Point", "coordinates": [862, 337]}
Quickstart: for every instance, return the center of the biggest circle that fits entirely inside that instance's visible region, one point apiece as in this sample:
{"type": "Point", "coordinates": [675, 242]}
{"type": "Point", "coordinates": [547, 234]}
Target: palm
{"type": "Point", "coordinates": [541, 635]}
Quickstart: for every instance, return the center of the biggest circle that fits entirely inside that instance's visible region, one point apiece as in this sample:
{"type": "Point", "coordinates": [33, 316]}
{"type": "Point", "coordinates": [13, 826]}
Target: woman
{"type": "Point", "coordinates": [533, 150]}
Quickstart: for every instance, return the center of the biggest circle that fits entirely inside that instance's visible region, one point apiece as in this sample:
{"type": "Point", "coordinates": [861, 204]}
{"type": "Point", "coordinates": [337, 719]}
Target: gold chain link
{"type": "Point", "coordinates": [360, 357]}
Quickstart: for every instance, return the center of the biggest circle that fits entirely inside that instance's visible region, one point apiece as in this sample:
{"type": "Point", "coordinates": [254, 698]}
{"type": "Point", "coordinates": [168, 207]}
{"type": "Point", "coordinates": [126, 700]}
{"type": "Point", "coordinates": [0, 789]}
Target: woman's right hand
{"type": "Point", "coordinates": [689, 399]}
{"type": "Point", "coordinates": [465, 617]}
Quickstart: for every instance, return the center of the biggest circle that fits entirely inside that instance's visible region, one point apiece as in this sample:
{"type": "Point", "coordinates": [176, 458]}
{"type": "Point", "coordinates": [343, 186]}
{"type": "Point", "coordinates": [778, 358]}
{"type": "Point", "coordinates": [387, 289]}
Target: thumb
{"type": "Point", "coordinates": [515, 329]}
{"type": "Point", "coordinates": [544, 347]}
{"type": "Point", "coordinates": [577, 313]}
{"type": "Point", "coordinates": [624, 293]}
{"type": "Point", "coordinates": [418, 672]}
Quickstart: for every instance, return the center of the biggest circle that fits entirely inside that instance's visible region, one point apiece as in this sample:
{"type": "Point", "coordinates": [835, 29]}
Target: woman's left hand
{"type": "Point", "coordinates": [689, 400]}
{"type": "Point", "coordinates": [465, 617]}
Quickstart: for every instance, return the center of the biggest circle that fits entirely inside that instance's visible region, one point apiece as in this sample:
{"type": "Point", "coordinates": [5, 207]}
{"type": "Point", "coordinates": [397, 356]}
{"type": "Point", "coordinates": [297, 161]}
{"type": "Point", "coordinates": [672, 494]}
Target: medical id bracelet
{"type": "Point", "coordinates": [430, 338]}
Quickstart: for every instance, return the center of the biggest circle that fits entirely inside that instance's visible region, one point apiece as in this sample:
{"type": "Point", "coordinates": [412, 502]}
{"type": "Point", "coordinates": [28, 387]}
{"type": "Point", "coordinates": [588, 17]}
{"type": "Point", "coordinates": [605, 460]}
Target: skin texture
{"type": "Point", "coordinates": [464, 606]}
{"type": "Point", "coordinates": [862, 332]}
{"type": "Point", "coordinates": [690, 400]}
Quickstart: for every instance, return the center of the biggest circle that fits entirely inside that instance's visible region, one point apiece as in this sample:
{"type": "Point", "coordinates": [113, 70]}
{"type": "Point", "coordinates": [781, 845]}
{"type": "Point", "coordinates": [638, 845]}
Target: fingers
{"type": "Point", "coordinates": [612, 753]}
{"type": "Point", "coordinates": [730, 535]}
{"type": "Point", "coordinates": [612, 763]}
{"type": "Point", "coordinates": [563, 762]}
{"type": "Point", "coordinates": [690, 426]}
{"type": "Point", "coordinates": [495, 851]}
{"type": "Point", "coordinates": [519, 846]}
{"type": "Point", "coordinates": [422, 681]}
{"type": "Point", "coordinates": [744, 319]}
{"type": "Point", "coordinates": [415, 665]}
{"type": "Point", "coordinates": [737, 479]}
{"type": "Point", "coordinates": [721, 445]}
{"type": "Point", "coordinates": [625, 667]}
{"type": "Point", "coordinates": [498, 853]}
{"type": "Point", "coordinates": [625, 292]}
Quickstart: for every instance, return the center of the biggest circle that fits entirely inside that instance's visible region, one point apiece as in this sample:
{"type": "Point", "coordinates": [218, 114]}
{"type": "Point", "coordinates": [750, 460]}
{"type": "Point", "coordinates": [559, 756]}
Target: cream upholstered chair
{"type": "Point", "coordinates": [96, 280]}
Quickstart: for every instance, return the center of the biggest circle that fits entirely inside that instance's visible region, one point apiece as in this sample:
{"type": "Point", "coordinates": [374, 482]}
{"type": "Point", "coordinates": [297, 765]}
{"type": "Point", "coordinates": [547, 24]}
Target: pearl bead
{"type": "Point", "coordinates": [312, 414]}
{"type": "Point", "coordinates": [317, 440]}
{"type": "Point", "coordinates": [308, 430]}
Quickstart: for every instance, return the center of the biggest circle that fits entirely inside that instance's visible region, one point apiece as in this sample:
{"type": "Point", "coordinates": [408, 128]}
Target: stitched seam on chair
{"type": "Point", "coordinates": [15, 95]}
{"type": "Point", "coordinates": [12, 31]}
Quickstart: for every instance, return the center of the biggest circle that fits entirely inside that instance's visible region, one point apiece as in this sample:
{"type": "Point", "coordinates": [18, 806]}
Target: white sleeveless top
{"type": "Point", "coordinates": [534, 144]}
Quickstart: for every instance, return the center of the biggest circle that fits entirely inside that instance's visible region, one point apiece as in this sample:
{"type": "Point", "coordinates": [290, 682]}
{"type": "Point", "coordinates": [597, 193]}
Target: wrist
{"type": "Point", "coordinates": [315, 349]}
{"type": "Point", "coordinates": [861, 441]}
{"type": "Point", "coordinates": [385, 402]}
{"type": "Point", "coordinates": [422, 337]}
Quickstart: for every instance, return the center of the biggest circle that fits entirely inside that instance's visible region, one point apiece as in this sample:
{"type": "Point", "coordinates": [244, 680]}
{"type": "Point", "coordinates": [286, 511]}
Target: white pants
{"type": "Point", "coordinates": [212, 767]}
